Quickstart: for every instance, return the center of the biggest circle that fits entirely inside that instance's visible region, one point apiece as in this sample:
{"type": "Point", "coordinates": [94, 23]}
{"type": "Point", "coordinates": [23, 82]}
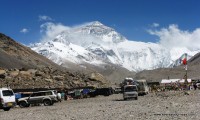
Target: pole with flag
{"type": "Point", "coordinates": [184, 62]}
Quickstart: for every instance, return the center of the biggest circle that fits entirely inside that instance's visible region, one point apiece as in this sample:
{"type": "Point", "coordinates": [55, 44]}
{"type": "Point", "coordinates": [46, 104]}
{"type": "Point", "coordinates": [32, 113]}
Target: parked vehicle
{"type": "Point", "coordinates": [198, 84]}
{"type": "Point", "coordinates": [45, 97]}
{"type": "Point", "coordinates": [7, 99]}
{"type": "Point", "coordinates": [118, 90]}
{"type": "Point", "coordinates": [78, 94]}
{"type": "Point", "coordinates": [85, 93]}
{"type": "Point", "coordinates": [102, 91]}
{"type": "Point", "coordinates": [130, 91]}
{"type": "Point", "coordinates": [129, 81]}
{"type": "Point", "coordinates": [143, 88]}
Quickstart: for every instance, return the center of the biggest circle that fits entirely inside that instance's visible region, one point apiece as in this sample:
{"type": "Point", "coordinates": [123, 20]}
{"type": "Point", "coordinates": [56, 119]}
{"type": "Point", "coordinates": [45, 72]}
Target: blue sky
{"type": "Point", "coordinates": [132, 18]}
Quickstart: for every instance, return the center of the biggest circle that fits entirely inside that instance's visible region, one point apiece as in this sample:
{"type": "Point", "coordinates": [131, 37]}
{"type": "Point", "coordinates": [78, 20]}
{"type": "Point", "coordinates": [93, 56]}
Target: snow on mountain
{"type": "Point", "coordinates": [139, 55]}
{"type": "Point", "coordinates": [59, 53]}
{"type": "Point", "coordinates": [101, 31]}
{"type": "Point", "coordinates": [178, 52]}
{"type": "Point", "coordinates": [97, 44]}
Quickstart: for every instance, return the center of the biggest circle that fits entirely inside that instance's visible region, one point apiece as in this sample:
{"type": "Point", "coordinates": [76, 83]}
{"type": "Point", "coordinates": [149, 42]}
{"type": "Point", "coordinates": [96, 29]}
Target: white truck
{"type": "Point", "coordinates": [143, 88]}
{"type": "Point", "coordinates": [7, 99]}
{"type": "Point", "coordinates": [130, 91]}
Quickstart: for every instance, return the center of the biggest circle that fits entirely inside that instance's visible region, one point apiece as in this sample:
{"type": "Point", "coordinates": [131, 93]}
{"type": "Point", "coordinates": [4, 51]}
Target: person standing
{"type": "Point", "coordinates": [59, 97]}
{"type": "Point", "coordinates": [195, 86]}
{"type": "Point", "coordinates": [62, 95]}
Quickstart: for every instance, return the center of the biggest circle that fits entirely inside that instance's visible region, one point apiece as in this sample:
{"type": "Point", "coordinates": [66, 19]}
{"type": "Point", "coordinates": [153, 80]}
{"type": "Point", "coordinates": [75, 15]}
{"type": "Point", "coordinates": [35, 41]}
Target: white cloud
{"type": "Point", "coordinates": [169, 37]}
{"type": "Point", "coordinates": [44, 18]}
{"type": "Point", "coordinates": [51, 30]}
{"type": "Point", "coordinates": [24, 30]}
{"type": "Point", "coordinates": [172, 37]}
{"type": "Point", "coordinates": [155, 25]}
{"type": "Point", "coordinates": [73, 35]}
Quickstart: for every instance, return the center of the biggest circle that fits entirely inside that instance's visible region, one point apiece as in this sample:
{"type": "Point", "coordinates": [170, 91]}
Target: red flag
{"type": "Point", "coordinates": [184, 61]}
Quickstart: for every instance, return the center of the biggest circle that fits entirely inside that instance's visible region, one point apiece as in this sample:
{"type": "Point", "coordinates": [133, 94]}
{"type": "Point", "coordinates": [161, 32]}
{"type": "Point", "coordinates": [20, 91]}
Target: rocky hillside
{"type": "Point", "coordinates": [20, 67]}
{"type": "Point", "coordinates": [15, 55]}
{"type": "Point", "coordinates": [48, 78]}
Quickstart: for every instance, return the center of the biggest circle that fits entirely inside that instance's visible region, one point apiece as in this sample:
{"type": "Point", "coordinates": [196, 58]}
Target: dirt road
{"type": "Point", "coordinates": [168, 105]}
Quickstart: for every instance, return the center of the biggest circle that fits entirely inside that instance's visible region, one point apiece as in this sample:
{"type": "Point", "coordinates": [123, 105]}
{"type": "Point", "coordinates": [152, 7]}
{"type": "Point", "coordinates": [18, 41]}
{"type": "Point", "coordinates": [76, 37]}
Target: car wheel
{"type": "Point", "coordinates": [6, 108]}
{"type": "Point", "coordinates": [22, 104]}
{"type": "Point", "coordinates": [47, 102]}
{"type": "Point", "coordinates": [52, 103]}
{"type": "Point", "coordinates": [28, 105]}
{"type": "Point", "coordinates": [136, 98]}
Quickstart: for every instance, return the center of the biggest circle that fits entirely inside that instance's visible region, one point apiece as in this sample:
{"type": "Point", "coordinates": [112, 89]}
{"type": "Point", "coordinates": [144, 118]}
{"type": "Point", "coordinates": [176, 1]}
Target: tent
{"type": "Point", "coordinates": [168, 81]}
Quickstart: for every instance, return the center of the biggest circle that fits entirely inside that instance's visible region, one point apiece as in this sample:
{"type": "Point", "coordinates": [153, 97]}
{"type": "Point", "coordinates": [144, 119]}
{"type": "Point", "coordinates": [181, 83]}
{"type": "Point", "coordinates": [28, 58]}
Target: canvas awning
{"type": "Point", "coordinates": [166, 81]}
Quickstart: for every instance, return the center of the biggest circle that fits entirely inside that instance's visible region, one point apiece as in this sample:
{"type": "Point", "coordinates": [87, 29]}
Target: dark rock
{"type": "Point", "coordinates": [39, 73]}
{"type": "Point", "coordinates": [58, 78]}
{"type": "Point", "coordinates": [3, 76]}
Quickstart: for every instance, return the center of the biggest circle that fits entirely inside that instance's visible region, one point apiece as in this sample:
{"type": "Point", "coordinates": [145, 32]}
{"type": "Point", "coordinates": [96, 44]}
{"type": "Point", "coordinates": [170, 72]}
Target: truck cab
{"type": "Point", "coordinates": [130, 92]}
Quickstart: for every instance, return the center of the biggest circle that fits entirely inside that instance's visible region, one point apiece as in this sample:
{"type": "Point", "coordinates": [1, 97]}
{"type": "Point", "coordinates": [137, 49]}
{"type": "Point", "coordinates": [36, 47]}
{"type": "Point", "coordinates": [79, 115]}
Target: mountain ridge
{"type": "Point", "coordinates": [97, 44]}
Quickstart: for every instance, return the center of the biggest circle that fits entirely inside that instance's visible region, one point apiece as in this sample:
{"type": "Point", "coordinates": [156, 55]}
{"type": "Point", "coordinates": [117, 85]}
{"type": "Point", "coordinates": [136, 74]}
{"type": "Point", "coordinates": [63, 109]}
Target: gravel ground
{"type": "Point", "coordinates": [160, 106]}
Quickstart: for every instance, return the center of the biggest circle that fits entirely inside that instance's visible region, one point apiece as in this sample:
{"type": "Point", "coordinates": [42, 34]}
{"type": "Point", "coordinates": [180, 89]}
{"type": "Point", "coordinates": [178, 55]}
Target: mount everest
{"type": "Point", "coordinates": [96, 44]}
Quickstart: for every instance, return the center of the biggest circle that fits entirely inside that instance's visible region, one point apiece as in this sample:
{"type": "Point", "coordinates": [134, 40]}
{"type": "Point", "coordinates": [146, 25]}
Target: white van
{"type": "Point", "coordinates": [130, 91]}
{"type": "Point", "coordinates": [7, 99]}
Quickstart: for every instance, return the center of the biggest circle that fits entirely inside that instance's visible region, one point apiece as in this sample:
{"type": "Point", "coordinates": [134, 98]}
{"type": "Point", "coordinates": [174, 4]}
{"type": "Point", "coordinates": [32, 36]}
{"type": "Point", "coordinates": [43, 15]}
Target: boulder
{"type": "Point", "coordinates": [2, 72]}
{"type": "Point", "coordinates": [69, 78]}
{"type": "Point", "coordinates": [76, 82]}
{"type": "Point", "coordinates": [60, 83]}
{"type": "Point", "coordinates": [97, 77]}
{"type": "Point", "coordinates": [26, 73]}
{"type": "Point", "coordinates": [32, 71]}
{"type": "Point", "coordinates": [14, 73]}
{"type": "Point", "coordinates": [49, 80]}
{"type": "Point", "coordinates": [59, 78]}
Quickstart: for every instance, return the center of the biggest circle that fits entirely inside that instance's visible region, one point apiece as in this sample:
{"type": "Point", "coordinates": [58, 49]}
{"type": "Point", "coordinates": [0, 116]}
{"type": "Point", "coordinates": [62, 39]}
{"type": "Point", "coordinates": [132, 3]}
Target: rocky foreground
{"type": "Point", "coordinates": [160, 106]}
{"type": "Point", "coordinates": [48, 77]}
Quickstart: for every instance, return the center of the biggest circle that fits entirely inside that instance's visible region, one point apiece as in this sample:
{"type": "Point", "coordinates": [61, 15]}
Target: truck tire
{"type": "Point", "coordinates": [47, 102]}
{"type": "Point", "coordinates": [136, 98]}
{"type": "Point", "coordinates": [22, 104]}
{"type": "Point", "coordinates": [52, 102]}
{"type": "Point", "coordinates": [6, 108]}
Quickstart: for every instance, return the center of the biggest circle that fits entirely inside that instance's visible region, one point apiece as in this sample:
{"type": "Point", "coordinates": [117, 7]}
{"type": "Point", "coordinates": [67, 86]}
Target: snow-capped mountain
{"type": "Point", "coordinates": [97, 44]}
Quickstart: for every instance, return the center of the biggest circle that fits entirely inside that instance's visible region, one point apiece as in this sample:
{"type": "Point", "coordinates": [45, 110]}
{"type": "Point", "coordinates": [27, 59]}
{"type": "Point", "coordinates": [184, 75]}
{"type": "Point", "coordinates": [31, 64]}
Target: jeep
{"type": "Point", "coordinates": [7, 99]}
{"type": "Point", "coordinates": [46, 97]}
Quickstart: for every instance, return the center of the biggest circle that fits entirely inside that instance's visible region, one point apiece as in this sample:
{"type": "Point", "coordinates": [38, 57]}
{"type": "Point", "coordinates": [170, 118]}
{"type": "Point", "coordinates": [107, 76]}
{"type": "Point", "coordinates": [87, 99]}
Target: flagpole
{"type": "Point", "coordinates": [186, 69]}
{"type": "Point", "coordinates": [186, 73]}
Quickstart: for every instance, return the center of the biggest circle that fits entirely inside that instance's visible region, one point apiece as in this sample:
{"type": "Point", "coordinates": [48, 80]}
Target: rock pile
{"type": "Point", "coordinates": [48, 78]}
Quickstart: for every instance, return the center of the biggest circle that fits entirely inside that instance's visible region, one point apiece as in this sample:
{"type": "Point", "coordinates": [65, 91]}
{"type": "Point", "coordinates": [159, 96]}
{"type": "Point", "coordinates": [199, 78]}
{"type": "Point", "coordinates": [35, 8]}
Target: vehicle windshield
{"type": "Point", "coordinates": [7, 92]}
{"type": "Point", "coordinates": [130, 88]}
